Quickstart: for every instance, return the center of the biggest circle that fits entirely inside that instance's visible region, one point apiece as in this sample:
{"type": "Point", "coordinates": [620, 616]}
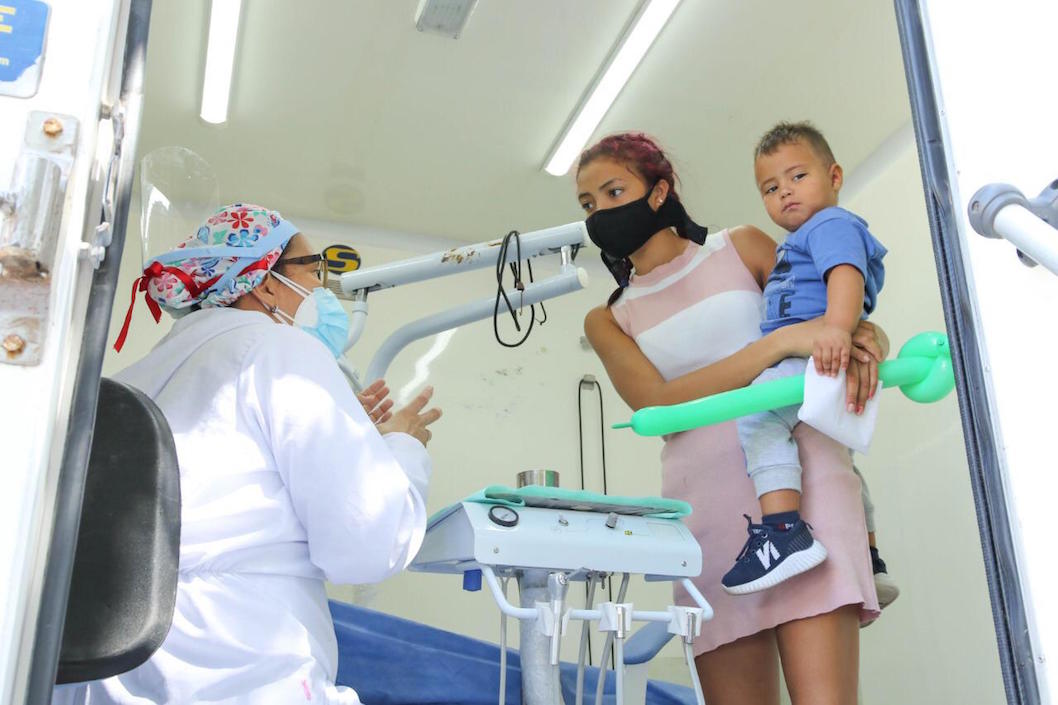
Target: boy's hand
{"type": "Point", "coordinates": [831, 350]}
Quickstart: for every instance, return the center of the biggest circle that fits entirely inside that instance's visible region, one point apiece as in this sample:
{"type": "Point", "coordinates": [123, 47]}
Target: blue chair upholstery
{"type": "Point", "coordinates": [394, 661]}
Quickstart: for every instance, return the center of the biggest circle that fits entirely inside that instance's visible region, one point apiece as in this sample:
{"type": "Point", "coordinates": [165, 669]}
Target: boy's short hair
{"type": "Point", "coordinates": [791, 132]}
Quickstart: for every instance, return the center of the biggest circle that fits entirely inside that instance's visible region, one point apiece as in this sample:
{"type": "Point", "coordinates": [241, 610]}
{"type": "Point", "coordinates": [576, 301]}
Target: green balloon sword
{"type": "Point", "coordinates": [922, 370]}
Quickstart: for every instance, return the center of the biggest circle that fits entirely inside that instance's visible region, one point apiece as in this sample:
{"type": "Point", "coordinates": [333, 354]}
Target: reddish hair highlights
{"type": "Point", "coordinates": [639, 153]}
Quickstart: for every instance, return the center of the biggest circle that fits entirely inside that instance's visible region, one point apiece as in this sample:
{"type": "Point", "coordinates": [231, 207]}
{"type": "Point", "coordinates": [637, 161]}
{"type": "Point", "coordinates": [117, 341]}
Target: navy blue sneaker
{"type": "Point", "coordinates": [770, 556]}
{"type": "Point", "coordinates": [886, 587]}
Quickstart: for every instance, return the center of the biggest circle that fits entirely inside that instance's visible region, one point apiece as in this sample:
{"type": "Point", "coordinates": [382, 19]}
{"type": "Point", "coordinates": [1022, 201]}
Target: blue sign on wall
{"type": "Point", "coordinates": [23, 25]}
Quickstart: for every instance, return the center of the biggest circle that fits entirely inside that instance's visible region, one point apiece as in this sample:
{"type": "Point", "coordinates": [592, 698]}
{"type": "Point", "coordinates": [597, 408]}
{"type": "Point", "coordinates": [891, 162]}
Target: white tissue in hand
{"type": "Point", "coordinates": [824, 409]}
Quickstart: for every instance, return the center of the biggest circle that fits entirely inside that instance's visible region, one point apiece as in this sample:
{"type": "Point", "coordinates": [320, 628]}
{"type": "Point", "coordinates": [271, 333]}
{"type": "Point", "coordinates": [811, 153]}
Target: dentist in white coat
{"type": "Point", "coordinates": [286, 480]}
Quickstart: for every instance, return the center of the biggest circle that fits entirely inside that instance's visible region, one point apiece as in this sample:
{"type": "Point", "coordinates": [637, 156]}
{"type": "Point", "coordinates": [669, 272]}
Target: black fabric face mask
{"type": "Point", "coordinates": [620, 231]}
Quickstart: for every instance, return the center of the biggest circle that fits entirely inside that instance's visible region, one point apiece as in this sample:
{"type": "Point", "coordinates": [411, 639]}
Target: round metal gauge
{"type": "Point", "coordinates": [504, 516]}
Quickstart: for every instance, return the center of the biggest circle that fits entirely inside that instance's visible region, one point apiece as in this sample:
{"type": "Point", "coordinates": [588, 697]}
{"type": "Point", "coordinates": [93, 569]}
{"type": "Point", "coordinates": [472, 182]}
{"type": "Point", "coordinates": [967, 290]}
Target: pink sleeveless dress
{"type": "Point", "coordinates": [686, 314]}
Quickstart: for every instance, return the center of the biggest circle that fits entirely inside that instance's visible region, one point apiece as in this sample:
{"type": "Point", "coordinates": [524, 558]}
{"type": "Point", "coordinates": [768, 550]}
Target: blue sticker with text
{"type": "Point", "coordinates": [22, 27]}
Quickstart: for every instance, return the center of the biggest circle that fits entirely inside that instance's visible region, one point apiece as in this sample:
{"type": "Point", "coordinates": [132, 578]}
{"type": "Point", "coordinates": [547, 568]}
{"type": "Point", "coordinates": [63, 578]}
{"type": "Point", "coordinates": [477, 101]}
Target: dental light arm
{"type": "Point", "coordinates": [462, 259]}
{"type": "Point", "coordinates": [357, 284]}
{"type": "Point", "coordinates": [571, 279]}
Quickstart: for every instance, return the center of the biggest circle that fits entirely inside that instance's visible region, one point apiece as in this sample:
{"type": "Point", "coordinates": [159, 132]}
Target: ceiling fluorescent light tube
{"type": "Point", "coordinates": [447, 17]}
{"type": "Point", "coordinates": [601, 94]}
{"type": "Point", "coordinates": [220, 59]}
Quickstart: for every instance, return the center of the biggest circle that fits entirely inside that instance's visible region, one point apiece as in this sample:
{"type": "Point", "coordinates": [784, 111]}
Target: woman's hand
{"type": "Point", "coordinates": [870, 348]}
{"type": "Point", "coordinates": [375, 403]}
{"type": "Point", "coordinates": [412, 419]}
{"type": "Point", "coordinates": [861, 382]}
{"type": "Point", "coordinates": [870, 341]}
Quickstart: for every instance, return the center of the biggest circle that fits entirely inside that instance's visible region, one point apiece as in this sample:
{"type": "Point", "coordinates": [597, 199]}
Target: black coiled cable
{"type": "Point", "coordinates": [501, 293]}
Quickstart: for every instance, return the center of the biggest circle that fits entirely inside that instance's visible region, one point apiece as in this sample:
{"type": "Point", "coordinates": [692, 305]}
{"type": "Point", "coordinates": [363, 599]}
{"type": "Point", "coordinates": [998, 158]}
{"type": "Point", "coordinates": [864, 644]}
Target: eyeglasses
{"type": "Point", "coordinates": [317, 259]}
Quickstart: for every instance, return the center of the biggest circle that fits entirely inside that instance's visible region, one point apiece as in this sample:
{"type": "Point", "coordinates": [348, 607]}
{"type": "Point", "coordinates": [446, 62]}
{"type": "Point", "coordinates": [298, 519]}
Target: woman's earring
{"type": "Point", "coordinates": [274, 308]}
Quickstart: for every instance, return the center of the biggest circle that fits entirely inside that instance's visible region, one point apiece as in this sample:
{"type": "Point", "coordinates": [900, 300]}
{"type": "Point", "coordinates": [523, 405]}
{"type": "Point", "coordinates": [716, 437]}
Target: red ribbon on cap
{"type": "Point", "coordinates": [155, 270]}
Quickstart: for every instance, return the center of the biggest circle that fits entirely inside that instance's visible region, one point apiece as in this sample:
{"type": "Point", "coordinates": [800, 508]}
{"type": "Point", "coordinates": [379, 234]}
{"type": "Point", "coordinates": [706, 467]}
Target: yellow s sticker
{"type": "Point", "coordinates": [341, 259]}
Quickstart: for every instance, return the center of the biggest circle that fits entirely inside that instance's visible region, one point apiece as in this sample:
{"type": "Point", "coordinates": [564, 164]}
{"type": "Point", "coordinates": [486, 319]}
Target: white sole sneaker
{"type": "Point", "coordinates": [795, 564]}
{"type": "Point", "coordinates": [886, 588]}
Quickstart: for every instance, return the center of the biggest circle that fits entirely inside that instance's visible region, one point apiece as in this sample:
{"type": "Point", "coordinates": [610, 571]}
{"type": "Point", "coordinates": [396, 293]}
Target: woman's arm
{"type": "Point", "coordinates": [640, 384]}
{"type": "Point", "coordinates": [756, 250]}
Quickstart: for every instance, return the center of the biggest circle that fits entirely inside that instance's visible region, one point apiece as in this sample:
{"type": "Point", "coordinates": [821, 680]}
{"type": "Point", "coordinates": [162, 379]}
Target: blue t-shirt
{"type": "Point", "coordinates": [796, 290]}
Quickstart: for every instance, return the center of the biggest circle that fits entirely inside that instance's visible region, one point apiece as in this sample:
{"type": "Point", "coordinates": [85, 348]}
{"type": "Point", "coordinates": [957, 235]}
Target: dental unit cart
{"type": "Point", "coordinates": [547, 537]}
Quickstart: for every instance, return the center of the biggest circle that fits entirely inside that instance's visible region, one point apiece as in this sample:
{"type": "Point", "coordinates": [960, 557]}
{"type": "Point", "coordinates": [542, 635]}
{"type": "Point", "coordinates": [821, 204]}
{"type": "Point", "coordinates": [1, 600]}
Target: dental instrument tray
{"type": "Point", "coordinates": [581, 501]}
{"type": "Point", "coordinates": [560, 529]}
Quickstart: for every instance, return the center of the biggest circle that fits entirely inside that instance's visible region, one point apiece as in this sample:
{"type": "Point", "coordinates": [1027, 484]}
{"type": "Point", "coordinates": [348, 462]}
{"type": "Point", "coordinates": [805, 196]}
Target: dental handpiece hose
{"type": "Point", "coordinates": [503, 649]}
{"type": "Point", "coordinates": [601, 682]}
{"type": "Point", "coordinates": [688, 650]}
{"type": "Point", "coordinates": [557, 585]}
{"type": "Point", "coordinates": [585, 627]}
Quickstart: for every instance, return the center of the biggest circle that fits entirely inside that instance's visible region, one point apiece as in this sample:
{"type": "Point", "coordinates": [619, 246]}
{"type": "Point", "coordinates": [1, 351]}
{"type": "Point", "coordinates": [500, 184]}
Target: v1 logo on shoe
{"type": "Point", "coordinates": [767, 553]}
{"type": "Point", "coordinates": [779, 556]}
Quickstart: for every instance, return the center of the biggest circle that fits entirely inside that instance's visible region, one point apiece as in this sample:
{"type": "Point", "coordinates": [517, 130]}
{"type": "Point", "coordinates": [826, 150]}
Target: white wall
{"type": "Point", "coordinates": [510, 410]}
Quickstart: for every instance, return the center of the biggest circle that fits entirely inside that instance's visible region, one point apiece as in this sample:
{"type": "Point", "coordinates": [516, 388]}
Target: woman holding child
{"type": "Point", "coordinates": [685, 323]}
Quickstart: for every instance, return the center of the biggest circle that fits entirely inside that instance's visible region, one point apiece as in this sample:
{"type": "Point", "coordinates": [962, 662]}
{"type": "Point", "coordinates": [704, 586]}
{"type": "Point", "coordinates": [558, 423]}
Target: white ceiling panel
{"type": "Point", "coordinates": [341, 110]}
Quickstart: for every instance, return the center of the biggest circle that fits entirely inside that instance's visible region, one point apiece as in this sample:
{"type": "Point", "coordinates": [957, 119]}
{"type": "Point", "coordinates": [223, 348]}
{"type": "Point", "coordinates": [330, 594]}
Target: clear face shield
{"type": "Point", "coordinates": [178, 192]}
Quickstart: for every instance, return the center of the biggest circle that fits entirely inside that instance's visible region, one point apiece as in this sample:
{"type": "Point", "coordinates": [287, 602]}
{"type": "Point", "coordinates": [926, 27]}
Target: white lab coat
{"type": "Point", "coordinates": [285, 482]}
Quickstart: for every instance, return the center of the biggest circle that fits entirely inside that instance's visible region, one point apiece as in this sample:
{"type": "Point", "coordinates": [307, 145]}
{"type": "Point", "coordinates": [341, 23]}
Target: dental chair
{"type": "Point", "coordinates": [123, 588]}
{"type": "Point", "coordinates": [643, 646]}
{"type": "Point", "coordinates": [393, 661]}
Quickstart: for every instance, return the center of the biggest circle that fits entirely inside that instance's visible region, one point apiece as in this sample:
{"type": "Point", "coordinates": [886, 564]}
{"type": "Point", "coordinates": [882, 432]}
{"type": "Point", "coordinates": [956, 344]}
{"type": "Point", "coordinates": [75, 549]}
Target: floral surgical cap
{"type": "Point", "coordinates": [228, 256]}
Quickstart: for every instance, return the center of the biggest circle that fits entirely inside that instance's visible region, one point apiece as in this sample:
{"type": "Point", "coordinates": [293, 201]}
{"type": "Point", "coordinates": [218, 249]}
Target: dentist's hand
{"type": "Point", "coordinates": [375, 403]}
{"type": "Point", "coordinates": [412, 419]}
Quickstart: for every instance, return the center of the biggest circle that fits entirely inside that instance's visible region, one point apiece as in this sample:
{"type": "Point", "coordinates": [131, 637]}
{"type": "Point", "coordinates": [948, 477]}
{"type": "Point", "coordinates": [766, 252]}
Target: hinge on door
{"type": "Point", "coordinates": [29, 234]}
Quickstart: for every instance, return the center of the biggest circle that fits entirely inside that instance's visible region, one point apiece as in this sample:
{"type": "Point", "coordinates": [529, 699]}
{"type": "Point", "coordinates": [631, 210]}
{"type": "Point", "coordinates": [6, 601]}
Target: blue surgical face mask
{"type": "Point", "coordinates": [320, 314]}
